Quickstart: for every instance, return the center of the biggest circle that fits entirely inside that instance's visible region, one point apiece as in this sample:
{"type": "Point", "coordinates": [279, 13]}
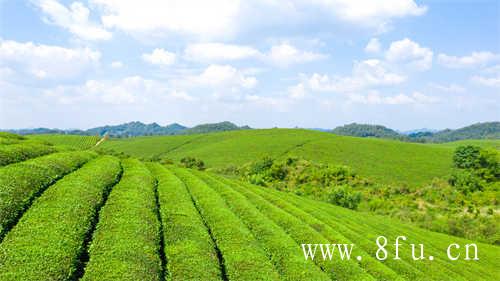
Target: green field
{"type": "Point", "coordinates": [112, 219]}
{"type": "Point", "coordinates": [384, 161]}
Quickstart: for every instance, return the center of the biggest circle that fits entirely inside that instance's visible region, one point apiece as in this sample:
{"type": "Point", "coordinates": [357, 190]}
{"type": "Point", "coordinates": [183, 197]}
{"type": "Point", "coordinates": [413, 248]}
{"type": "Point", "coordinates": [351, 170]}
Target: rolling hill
{"type": "Point", "coordinates": [386, 161]}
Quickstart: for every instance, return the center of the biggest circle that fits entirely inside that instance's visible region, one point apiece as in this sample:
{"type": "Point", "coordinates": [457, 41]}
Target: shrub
{"type": "Point", "coordinates": [466, 157]}
{"type": "Point", "coordinates": [192, 163]}
{"type": "Point", "coordinates": [345, 196]}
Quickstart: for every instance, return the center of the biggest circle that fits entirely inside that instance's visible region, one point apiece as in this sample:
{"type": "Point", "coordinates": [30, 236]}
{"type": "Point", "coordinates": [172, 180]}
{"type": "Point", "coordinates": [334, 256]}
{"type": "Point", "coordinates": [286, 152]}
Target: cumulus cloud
{"type": "Point", "coordinates": [365, 74]}
{"type": "Point", "coordinates": [410, 53]}
{"type": "Point", "coordinates": [117, 64]}
{"type": "Point", "coordinates": [493, 81]}
{"type": "Point", "coordinates": [375, 13]}
{"type": "Point", "coordinates": [220, 18]}
{"type": "Point", "coordinates": [159, 57]}
{"type": "Point", "coordinates": [201, 18]}
{"type": "Point", "coordinates": [373, 46]}
{"type": "Point", "coordinates": [74, 18]}
{"type": "Point", "coordinates": [45, 61]}
{"type": "Point", "coordinates": [474, 59]}
{"type": "Point", "coordinates": [219, 52]}
{"type": "Point", "coordinates": [224, 76]}
{"type": "Point", "coordinates": [132, 90]}
{"type": "Point", "coordinates": [451, 88]}
{"type": "Point", "coordinates": [285, 54]}
{"type": "Point", "coordinates": [375, 97]}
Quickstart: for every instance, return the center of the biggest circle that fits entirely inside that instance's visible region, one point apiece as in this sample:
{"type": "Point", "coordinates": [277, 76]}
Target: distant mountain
{"type": "Point", "coordinates": [136, 128]}
{"type": "Point", "coordinates": [486, 130]}
{"type": "Point", "coordinates": [366, 130]}
{"type": "Point", "coordinates": [418, 131]}
{"type": "Point", "coordinates": [214, 127]}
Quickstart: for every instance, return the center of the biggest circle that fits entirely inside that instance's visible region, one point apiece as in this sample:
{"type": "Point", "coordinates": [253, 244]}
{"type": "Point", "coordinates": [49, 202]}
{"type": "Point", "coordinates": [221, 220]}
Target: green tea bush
{"type": "Point", "coordinates": [47, 242]}
{"type": "Point", "coordinates": [244, 258]}
{"type": "Point", "coordinates": [126, 242]}
{"type": "Point", "coordinates": [23, 151]}
{"type": "Point", "coordinates": [189, 250]}
{"type": "Point", "coordinates": [290, 263]}
{"type": "Point", "coordinates": [22, 182]}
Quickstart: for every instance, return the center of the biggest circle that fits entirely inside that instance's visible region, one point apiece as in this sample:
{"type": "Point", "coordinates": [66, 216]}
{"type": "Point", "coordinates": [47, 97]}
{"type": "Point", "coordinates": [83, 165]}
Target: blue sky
{"type": "Point", "coordinates": [322, 63]}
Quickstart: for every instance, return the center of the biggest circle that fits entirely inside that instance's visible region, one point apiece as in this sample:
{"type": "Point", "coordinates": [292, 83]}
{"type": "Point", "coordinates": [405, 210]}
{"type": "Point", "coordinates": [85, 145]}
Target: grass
{"type": "Point", "coordinates": [125, 244]}
{"type": "Point", "coordinates": [385, 161]}
{"type": "Point", "coordinates": [243, 257]}
{"type": "Point", "coordinates": [22, 182]}
{"type": "Point", "coordinates": [67, 141]}
{"type": "Point", "coordinates": [48, 240]}
{"type": "Point", "coordinates": [190, 251]}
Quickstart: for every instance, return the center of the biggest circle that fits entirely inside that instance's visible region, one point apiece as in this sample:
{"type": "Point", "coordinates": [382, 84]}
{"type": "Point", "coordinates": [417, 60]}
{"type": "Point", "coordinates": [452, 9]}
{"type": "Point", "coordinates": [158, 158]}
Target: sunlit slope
{"type": "Point", "coordinates": [385, 161]}
{"type": "Point", "coordinates": [67, 141]}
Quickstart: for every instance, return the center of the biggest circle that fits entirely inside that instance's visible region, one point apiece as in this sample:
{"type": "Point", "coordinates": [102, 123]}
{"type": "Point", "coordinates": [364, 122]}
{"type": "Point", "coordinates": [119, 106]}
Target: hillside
{"type": "Point", "coordinates": [213, 127]}
{"type": "Point", "coordinates": [386, 161]}
{"type": "Point", "coordinates": [366, 130]}
{"type": "Point", "coordinates": [112, 219]}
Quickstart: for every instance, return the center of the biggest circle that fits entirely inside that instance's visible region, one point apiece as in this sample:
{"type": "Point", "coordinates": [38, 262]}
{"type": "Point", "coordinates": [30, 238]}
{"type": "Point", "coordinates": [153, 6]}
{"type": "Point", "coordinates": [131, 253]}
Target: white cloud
{"type": "Point", "coordinates": [159, 57]}
{"type": "Point", "coordinates": [376, 13]}
{"type": "Point", "coordinates": [44, 61]}
{"type": "Point", "coordinates": [131, 90]}
{"type": "Point", "coordinates": [117, 64]}
{"type": "Point", "coordinates": [451, 88]}
{"type": "Point", "coordinates": [297, 92]}
{"type": "Point", "coordinates": [202, 18]}
{"type": "Point", "coordinates": [411, 53]}
{"type": "Point", "coordinates": [224, 76]}
{"type": "Point", "coordinates": [365, 74]}
{"type": "Point", "coordinates": [493, 81]}
{"type": "Point", "coordinates": [285, 54]}
{"type": "Point", "coordinates": [474, 59]}
{"type": "Point", "coordinates": [219, 52]}
{"type": "Point", "coordinates": [181, 95]}
{"type": "Point", "coordinates": [375, 97]}
{"type": "Point", "coordinates": [373, 46]}
{"type": "Point", "coordinates": [75, 19]}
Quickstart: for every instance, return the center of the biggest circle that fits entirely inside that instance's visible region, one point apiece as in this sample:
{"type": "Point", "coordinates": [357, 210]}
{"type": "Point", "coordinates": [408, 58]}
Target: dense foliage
{"type": "Point", "coordinates": [192, 163]}
{"type": "Point", "coordinates": [332, 183]}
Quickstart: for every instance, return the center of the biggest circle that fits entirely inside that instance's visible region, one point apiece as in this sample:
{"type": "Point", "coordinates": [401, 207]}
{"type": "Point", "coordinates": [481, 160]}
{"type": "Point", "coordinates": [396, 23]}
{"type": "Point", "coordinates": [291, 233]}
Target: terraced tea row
{"type": "Point", "coordinates": [125, 244]}
{"type": "Point", "coordinates": [47, 242]}
{"type": "Point", "coordinates": [163, 223]}
{"type": "Point", "coordinates": [14, 153]}
{"type": "Point", "coordinates": [21, 182]}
